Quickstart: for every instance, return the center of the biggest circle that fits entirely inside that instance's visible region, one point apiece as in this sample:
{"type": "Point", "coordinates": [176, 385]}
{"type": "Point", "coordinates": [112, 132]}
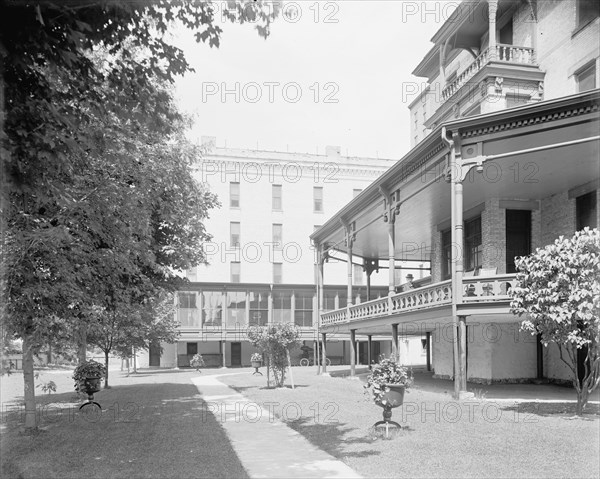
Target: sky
{"type": "Point", "coordinates": [330, 73]}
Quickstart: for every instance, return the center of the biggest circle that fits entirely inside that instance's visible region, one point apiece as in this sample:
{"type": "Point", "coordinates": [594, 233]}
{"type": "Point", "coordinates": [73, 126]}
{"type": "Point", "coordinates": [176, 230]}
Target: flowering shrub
{"type": "Point", "coordinates": [89, 369]}
{"type": "Point", "coordinates": [256, 357]}
{"type": "Point", "coordinates": [387, 372]}
{"type": "Point", "coordinates": [558, 292]}
{"type": "Point", "coordinates": [197, 361]}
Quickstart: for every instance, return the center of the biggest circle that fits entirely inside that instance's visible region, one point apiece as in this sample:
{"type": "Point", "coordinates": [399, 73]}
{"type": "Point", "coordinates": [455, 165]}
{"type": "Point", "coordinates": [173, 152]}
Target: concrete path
{"type": "Point", "coordinates": [266, 446]}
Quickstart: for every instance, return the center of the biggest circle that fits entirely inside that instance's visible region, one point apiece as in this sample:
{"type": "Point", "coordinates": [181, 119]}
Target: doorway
{"type": "Point", "coordinates": [154, 353]}
{"type": "Point", "coordinates": [236, 354]}
{"type": "Point", "coordinates": [518, 237]}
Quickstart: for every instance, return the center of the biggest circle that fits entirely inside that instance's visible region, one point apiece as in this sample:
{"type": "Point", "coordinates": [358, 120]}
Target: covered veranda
{"type": "Point", "coordinates": [516, 157]}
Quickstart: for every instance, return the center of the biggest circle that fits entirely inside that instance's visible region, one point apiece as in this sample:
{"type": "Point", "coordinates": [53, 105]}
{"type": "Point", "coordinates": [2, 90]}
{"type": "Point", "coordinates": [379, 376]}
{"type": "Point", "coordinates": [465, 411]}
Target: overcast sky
{"type": "Point", "coordinates": [332, 74]}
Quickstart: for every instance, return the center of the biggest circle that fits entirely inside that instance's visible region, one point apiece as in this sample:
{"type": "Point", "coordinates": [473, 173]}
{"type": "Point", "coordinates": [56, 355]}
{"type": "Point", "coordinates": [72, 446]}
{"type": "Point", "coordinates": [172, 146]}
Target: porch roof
{"type": "Point", "coordinates": [425, 196]}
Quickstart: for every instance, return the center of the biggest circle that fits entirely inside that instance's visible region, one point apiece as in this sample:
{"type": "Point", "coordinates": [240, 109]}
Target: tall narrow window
{"type": "Point", "coordinates": [277, 236]}
{"type": "Point", "coordinates": [518, 237]}
{"type": "Point", "coordinates": [234, 195]}
{"type": "Point", "coordinates": [586, 211]}
{"type": "Point", "coordinates": [446, 254]}
{"type": "Point", "coordinates": [587, 10]}
{"type": "Point", "coordinates": [318, 199]}
{"type": "Point", "coordinates": [473, 247]}
{"type": "Point", "coordinates": [303, 308]}
{"type": "Point", "coordinates": [236, 271]}
{"type": "Point", "coordinates": [277, 273]}
{"type": "Point", "coordinates": [259, 307]}
{"type": "Point", "coordinates": [277, 197]}
{"type": "Point", "coordinates": [586, 78]}
{"type": "Point", "coordinates": [235, 234]}
{"type": "Point", "coordinates": [282, 306]}
{"type": "Point", "coordinates": [358, 275]}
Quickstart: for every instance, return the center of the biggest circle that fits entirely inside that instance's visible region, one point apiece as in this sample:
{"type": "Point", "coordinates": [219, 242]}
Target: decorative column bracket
{"type": "Point", "coordinates": [391, 204]}
{"type": "Point", "coordinates": [370, 265]}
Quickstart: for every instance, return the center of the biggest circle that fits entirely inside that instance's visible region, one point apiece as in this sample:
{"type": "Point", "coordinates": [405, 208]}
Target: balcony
{"type": "Point", "coordinates": [503, 54]}
{"type": "Point", "coordinates": [479, 290]}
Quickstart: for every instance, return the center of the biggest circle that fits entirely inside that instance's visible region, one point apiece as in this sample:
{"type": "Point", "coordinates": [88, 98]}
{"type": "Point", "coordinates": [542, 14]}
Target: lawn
{"type": "Point", "coordinates": [478, 438]}
{"type": "Point", "coordinates": [151, 426]}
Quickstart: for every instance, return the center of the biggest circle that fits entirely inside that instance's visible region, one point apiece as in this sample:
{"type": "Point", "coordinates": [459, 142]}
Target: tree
{"type": "Point", "coordinates": [85, 120]}
{"type": "Point", "coordinates": [276, 341]}
{"type": "Point", "coordinates": [559, 291]}
{"type": "Point", "coordinates": [126, 325]}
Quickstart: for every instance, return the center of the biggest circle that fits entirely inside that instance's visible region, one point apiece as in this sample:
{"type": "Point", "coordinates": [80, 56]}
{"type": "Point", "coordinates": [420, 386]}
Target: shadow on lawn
{"type": "Point", "coordinates": [331, 437]}
{"type": "Point", "coordinates": [143, 431]}
{"type": "Point", "coordinates": [591, 411]}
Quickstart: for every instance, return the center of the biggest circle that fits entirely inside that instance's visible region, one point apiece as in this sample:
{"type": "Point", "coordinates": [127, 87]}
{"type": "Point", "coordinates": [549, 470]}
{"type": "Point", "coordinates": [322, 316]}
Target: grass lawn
{"type": "Point", "coordinates": [478, 438]}
{"type": "Point", "coordinates": [151, 426]}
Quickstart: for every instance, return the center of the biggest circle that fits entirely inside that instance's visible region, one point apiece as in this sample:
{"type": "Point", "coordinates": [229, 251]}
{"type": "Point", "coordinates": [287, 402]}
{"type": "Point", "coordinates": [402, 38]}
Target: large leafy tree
{"type": "Point", "coordinates": [559, 293]}
{"type": "Point", "coordinates": [95, 185]}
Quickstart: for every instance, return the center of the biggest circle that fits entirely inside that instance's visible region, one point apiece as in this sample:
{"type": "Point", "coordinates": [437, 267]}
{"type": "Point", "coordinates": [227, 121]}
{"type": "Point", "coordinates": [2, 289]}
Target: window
{"type": "Point", "coordinates": [234, 195]}
{"type": "Point", "coordinates": [277, 236]}
{"type": "Point", "coordinates": [358, 274]}
{"type": "Point", "coordinates": [234, 228]}
{"type": "Point", "coordinates": [328, 300]}
{"type": "Point", "coordinates": [586, 78]}
{"type": "Point", "coordinates": [518, 237]}
{"type": "Point", "coordinates": [259, 308]}
{"type": "Point", "coordinates": [446, 254]}
{"type": "Point", "coordinates": [356, 192]}
{"type": "Point", "coordinates": [187, 313]}
{"type": "Point", "coordinates": [212, 308]}
{"type": "Point", "coordinates": [236, 271]}
{"type": "Point", "coordinates": [282, 306]}
{"type": "Point", "coordinates": [587, 10]}
{"type": "Point", "coordinates": [236, 309]}
{"type": "Point", "coordinates": [586, 211]}
{"type": "Point", "coordinates": [303, 311]}
{"type": "Point", "coordinates": [318, 199]}
{"type": "Point", "coordinates": [473, 247]}
{"type": "Point", "coordinates": [277, 273]}
{"type": "Point", "coordinates": [191, 348]}
{"type": "Point", "coordinates": [277, 197]}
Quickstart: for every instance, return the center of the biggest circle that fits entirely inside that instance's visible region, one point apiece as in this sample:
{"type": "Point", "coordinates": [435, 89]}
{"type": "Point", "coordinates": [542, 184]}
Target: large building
{"type": "Point", "coordinates": [261, 263]}
{"type": "Point", "coordinates": [505, 159]}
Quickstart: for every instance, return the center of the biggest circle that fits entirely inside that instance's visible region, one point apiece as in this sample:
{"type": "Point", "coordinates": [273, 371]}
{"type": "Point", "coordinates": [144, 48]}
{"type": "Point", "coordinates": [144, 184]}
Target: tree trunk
{"type": "Point", "coordinates": [49, 358]}
{"type": "Point", "coordinates": [106, 364]}
{"type": "Point", "coordinates": [134, 360]}
{"type": "Point", "coordinates": [29, 384]}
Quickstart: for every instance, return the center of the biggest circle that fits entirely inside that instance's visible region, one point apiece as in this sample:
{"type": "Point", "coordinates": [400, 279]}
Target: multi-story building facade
{"type": "Point", "coordinates": [261, 263]}
{"type": "Point", "coordinates": [505, 160]}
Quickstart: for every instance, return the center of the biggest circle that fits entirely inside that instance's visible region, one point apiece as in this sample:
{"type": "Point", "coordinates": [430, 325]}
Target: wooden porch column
{"type": "Point", "coordinates": [395, 348]}
{"type": "Point", "coordinates": [321, 257]}
{"type": "Point", "coordinates": [352, 352]}
{"type": "Point", "coordinates": [223, 353]}
{"type": "Point", "coordinates": [392, 258]}
{"type": "Point", "coordinates": [369, 285]}
{"type": "Point", "coordinates": [463, 352]}
{"type": "Point", "coordinates": [428, 345]}
{"type": "Point", "coordinates": [324, 358]}
{"type": "Point", "coordinates": [369, 350]}
{"type": "Point", "coordinates": [492, 9]}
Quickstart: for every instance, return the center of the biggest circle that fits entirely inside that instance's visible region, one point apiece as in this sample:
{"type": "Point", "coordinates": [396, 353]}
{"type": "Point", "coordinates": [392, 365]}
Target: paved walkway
{"type": "Point", "coordinates": [266, 446]}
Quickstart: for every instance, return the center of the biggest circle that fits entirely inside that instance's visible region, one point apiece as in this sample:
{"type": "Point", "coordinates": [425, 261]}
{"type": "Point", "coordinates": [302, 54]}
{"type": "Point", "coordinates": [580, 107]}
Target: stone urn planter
{"type": "Point", "coordinates": [256, 362]}
{"type": "Point", "coordinates": [88, 377]}
{"type": "Point", "coordinates": [387, 383]}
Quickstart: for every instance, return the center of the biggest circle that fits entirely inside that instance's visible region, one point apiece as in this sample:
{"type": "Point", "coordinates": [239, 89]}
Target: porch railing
{"type": "Point", "coordinates": [476, 289]}
{"type": "Point", "coordinates": [479, 289]}
{"type": "Point", "coordinates": [500, 53]}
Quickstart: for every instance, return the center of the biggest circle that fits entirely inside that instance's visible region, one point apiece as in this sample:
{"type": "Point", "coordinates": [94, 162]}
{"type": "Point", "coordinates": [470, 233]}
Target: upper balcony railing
{"type": "Point", "coordinates": [500, 53]}
{"type": "Point", "coordinates": [477, 289]}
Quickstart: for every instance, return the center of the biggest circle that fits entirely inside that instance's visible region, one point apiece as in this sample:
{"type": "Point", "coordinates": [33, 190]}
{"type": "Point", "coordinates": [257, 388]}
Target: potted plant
{"type": "Point", "coordinates": [87, 377]}
{"type": "Point", "coordinates": [256, 361]}
{"type": "Point", "coordinates": [197, 362]}
{"type": "Point", "coordinates": [387, 383]}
